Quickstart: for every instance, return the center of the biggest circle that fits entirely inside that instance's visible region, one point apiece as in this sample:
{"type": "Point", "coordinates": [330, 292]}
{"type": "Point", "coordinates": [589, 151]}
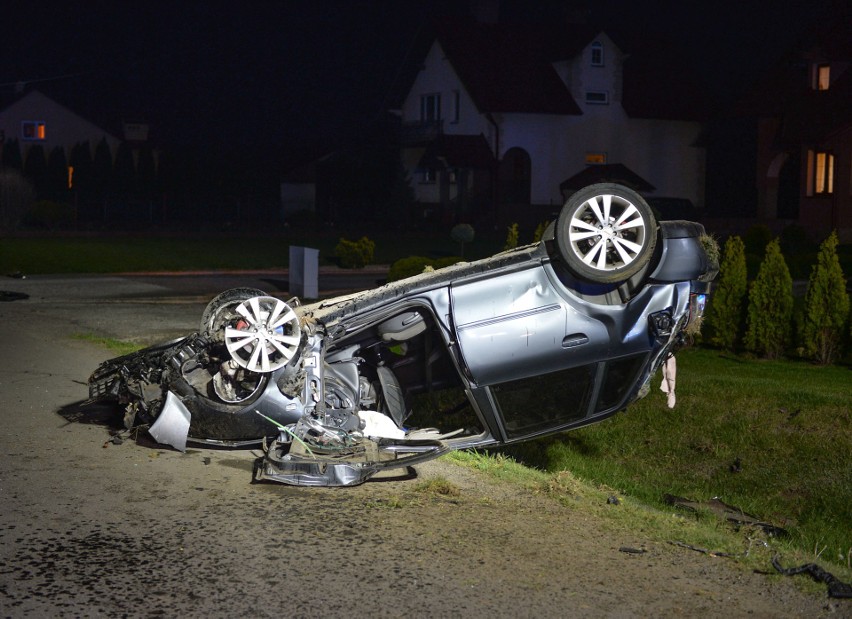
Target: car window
{"type": "Point", "coordinates": [534, 404]}
{"type": "Point", "coordinates": [619, 378]}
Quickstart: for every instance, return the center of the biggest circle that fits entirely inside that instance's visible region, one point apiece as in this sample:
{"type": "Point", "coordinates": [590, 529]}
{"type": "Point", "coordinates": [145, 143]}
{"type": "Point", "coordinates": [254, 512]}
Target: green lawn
{"type": "Point", "coordinates": [773, 438]}
{"type": "Point", "coordinates": [141, 253]}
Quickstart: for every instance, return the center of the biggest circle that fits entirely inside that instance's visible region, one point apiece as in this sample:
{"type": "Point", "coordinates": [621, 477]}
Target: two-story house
{"type": "Point", "coordinates": [804, 135]}
{"type": "Point", "coordinates": [501, 120]}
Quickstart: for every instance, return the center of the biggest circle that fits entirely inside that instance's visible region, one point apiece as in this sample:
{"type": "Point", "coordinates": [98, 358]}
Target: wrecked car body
{"type": "Point", "coordinates": [535, 340]}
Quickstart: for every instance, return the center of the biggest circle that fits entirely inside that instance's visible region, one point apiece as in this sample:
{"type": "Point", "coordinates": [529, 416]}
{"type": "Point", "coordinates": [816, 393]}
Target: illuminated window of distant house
{"type": "Point", "coordinates": [820, 173]}
{"type": "Point", "coordinates": [597, 97]}
{"type": "Point", "coordinates": [595, 158]}
{"type": "Point", "coordinates": [822, 76]}
{"type": "Point", "coordinates": [597, 54]}
{"type": "Point", "coordinates": [33, 130]}
{"type": "Point", "coordinates": [430, 107]}
{"type": "Point", "coordinates": [70, 177]}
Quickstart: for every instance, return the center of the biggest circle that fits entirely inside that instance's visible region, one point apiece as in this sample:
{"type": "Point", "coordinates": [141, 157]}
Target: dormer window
{"type": "Point", "coordinates": [597, 54]}
{"type": "Point", "coordinates": [822, 76]}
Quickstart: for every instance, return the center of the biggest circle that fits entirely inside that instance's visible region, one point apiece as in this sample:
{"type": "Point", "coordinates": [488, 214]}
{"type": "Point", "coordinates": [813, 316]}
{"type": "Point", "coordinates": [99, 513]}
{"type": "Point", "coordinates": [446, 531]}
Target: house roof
{"type": "Point", "coordinates": [609, 173]}
{"type": "Point", "coordinates": [458, 151]}
{"type": "Point", "coordinates": [508, 68]}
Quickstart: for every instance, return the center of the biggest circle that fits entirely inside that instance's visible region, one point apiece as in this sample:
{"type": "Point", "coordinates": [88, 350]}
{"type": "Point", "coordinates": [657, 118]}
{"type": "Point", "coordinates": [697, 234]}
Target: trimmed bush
{"type": "Point", "coordinates": [461, 234]}
{"type": "Point", "coordinates": [355, 254]}
{"type": "Point", "coordinates": [725, 313]}
{"type": "Point", "coordinates": [511, 237]}
{"type": "Point", "coordinates": [826, 306]}
{"type": "Point", "coordinates": [539, 231]}
{"type": "Point", "coordinates": [414, 265]}
{"type": "Point", "coordinates": [770, 306]}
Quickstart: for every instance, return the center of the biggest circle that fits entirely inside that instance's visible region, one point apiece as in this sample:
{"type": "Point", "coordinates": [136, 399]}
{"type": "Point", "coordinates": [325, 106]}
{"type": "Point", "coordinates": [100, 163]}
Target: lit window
{"type": "Point", "coordinates": [70, 177]}
{"type": "Point", "coordinates": [820, 173]}
{"type": "Point", "coordinates": [597, 97]}
{"type": "Point", "coordinates": [595, 158]}
{"type": "Point", "coordinates": [430, 107]}
{"type": "Point", "coordinates": [33, 130]}
{"type": "Point", "coordinates": [822, 77]}
{"type": "Point", "coordinates": [597, 54]}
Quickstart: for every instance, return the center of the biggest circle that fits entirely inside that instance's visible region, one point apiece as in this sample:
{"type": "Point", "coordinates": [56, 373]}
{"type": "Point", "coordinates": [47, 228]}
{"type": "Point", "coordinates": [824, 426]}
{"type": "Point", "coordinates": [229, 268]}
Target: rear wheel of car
{"type": "Point", "coordinates": [606, 233]}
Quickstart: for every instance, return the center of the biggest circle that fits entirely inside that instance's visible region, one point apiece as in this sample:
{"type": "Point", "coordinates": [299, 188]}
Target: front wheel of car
{"type": "Point", "coordinates": [222, 309]}
{"type": "Point", "coordinates": [606, 233]}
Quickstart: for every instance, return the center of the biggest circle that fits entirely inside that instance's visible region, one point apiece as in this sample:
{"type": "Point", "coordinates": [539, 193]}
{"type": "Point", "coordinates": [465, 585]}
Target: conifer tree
{"type": "Point", "coordinates": [725, 314]}
{"type": "Point", "coordinates": [826, 306]}
{"type": "Point", "coordinates": [770, 306]}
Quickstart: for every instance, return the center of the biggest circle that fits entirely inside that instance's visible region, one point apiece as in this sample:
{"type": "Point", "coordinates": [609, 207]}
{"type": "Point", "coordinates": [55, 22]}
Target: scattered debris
{"type": "Point", "coordinates": [711, 553]}
{"type": "Point", "coordinates": [730, 513]}
{"type": "Point", "coordinates": [836, 588]}
{"type": "Point", "coordinates": [737, 466]}
{"type": "Point", "coordinates": [613, 500]}
{"type": "Point", "coordinates": [632, 551]}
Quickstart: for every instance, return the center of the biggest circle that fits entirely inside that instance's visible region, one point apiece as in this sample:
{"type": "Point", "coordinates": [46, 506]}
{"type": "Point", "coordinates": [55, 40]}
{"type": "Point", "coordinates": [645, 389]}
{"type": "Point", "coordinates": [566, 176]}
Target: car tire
{"type": "Point", "coordinates": [221, 309]}
{"type": "Point", "coordinates": [606, 233]}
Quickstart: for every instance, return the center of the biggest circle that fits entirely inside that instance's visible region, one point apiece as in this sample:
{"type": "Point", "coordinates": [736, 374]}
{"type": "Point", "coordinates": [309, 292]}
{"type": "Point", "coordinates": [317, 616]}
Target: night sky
{"type": "Point", "coordinates": [280, 75]}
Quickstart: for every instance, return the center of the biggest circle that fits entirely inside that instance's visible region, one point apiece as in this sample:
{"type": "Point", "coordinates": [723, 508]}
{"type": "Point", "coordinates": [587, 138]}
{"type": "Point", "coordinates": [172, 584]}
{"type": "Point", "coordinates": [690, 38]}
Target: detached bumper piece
{"type": "Point", "coordinates": [301, 466]}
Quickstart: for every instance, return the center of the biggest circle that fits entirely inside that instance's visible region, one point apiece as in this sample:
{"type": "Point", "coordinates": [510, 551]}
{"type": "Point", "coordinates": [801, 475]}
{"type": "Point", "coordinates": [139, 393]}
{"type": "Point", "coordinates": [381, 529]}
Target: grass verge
{"type": "Point", "coordinates": [772, 438]}
{"type": "Point", "coordinates": [630, 517]}
{"type": "Point", "coordinates": [119, 347]}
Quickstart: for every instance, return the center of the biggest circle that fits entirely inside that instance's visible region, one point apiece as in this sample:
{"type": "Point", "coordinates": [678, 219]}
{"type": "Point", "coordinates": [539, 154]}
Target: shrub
{"type": "Point", "coordinates": [511, 237]}
{"type": "Point", "coordinates": [725, 314]}
{"type": "Point", "coordinates": [770, 306]}
{"type": "Point", "coordinates": [414, 265]}
{"type": "Point", "coordinates": [461, 234]}
{"type": "Point", "coordinates": [355, 254]}
{"type": "Point", "coordinates": [50, 215]}
{"type": "Point", "coordinates": [826, 306]}
{"type": "Point", "coordinates": [539, 231]}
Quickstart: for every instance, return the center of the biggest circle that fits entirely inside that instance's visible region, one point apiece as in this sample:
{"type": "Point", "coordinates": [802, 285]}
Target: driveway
{"type": "Point", "coordinates": [92, 528]}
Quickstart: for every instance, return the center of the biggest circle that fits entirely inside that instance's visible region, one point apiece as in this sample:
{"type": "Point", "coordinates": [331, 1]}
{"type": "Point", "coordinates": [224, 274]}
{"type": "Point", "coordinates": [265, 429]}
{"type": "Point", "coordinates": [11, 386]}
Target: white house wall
{"type": "Point", "coordinates": [661, 151]}
{"type": "Point", "coordinates": [438, 76]}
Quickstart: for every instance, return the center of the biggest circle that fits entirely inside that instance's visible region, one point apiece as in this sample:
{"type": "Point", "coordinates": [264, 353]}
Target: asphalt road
{"type": "Point", "coordinates": [89, 528]}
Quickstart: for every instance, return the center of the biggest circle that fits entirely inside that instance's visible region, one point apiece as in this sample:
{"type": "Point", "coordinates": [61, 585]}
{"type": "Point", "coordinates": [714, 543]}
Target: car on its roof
{"type": "Point", "coordinates": [535, 340]}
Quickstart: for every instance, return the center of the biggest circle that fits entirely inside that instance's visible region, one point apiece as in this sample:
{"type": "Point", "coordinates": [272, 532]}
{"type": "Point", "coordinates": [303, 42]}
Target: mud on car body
{"type": "Point", "coordinates": [536, 340]}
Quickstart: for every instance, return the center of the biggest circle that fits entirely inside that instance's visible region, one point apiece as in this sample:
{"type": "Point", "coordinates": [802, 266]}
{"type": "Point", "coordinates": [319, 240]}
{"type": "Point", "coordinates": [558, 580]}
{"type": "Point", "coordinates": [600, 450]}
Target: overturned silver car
{"type": "Point", "coordinates": [535, 340]}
